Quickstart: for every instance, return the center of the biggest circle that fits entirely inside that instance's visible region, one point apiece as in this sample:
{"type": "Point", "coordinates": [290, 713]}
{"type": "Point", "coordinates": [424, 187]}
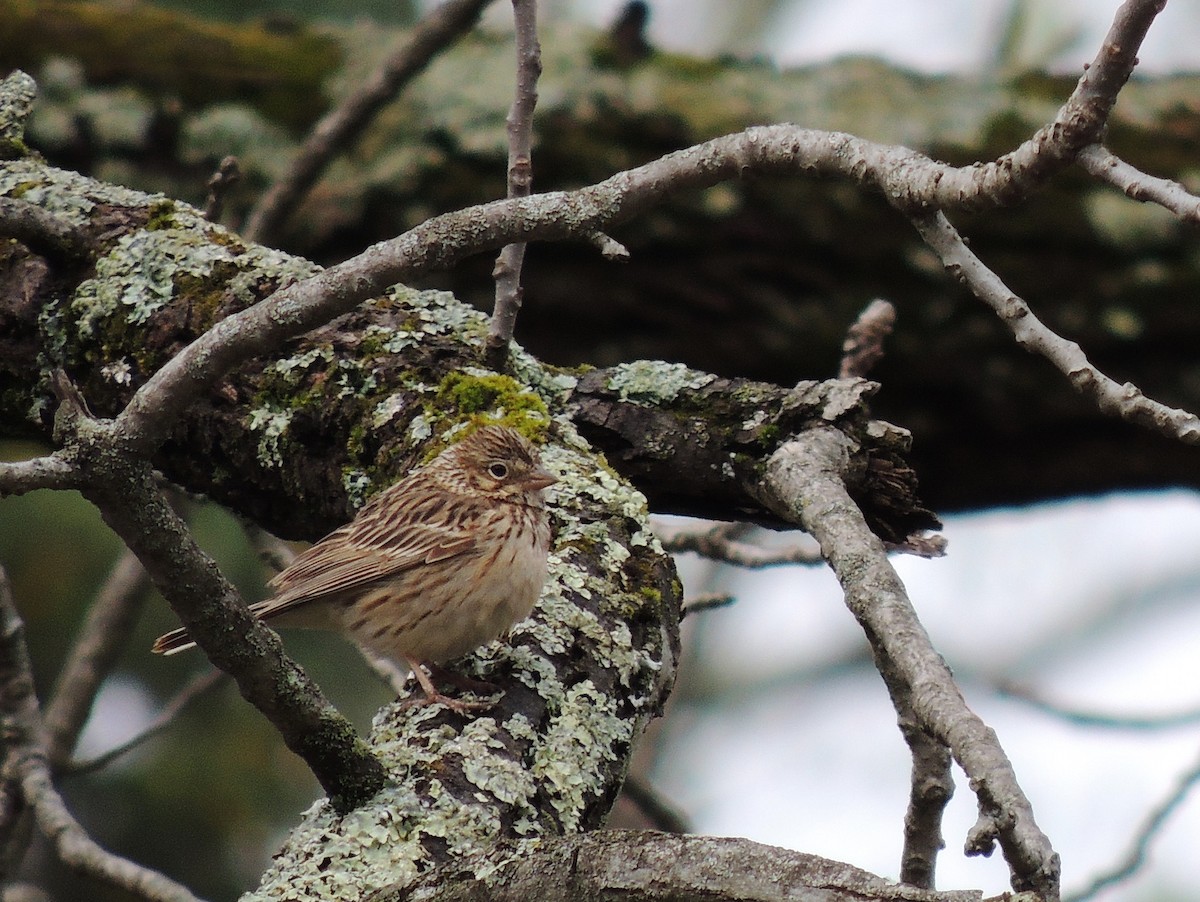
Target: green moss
{"type": "Point", "coordinates": [161, 215]}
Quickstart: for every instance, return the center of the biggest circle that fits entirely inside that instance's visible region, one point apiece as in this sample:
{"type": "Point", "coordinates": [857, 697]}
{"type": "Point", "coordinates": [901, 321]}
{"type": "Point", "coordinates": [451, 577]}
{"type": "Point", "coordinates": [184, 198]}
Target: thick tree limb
{"type": "Point", "coordinates": [640, 866]}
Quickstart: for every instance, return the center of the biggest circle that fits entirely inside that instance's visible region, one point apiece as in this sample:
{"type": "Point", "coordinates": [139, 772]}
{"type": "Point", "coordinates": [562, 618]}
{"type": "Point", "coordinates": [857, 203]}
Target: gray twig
{"type": "Point", "coordinates": [931, 787]}
{"type": "Point", "coordinates": [1135, 858]}
{"type": "Point", "coordinates": [507, 272]}
{"type": "Point", "coordinates": [720, 543]}
{"type": "Point", "coordinates": [1098, 719]}
{"type": "Point", "coordinates": [196, 688]}
{"type": "Point", "coordinates": [49, 472]}
{"type": "Point", "coordinates": [661, 813]}
{"type": "Point", "coordinates": [227, 175]}
{"type": "Point", "coordinates": [707, 602]}
{"type": "Point", "coordinates": [1125, 401]}
{"type": "Point", "coordinates": [1102, 163]}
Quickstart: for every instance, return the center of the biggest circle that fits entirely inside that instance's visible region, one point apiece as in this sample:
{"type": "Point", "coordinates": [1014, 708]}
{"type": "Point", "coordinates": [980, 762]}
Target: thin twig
{"type": "Point", "coordinates": [26, 762]}
{"type": "Point", "coordinates": [661, 814]}
{"type": "Point", "coordinates": [1099, 719]}
{"type": "Point", "coordinates": [1135, 858]}
{"type": "Point", "coordinates": [339, 127]}
{"type": "Point", "coordinates": [804, 482]}
{"type": "Point", "coordinates": [1102, 163]}
{"type": "Point", "coordinates": [1125, 401]}
{"type": "Point", "coordinates": [101, 639]}
{"type": "Point", "coordinates": [227, 175]}
{"type": "Point", "coordinates": [610, 249]}
{"type": "Point", "coordinates": [708, 602]}
{"type": "Point", "coordinates": [720, 544]}
{"type": "Point", "coordinates": [507, 271]}
{"type": "Point", "coordinates": [195, 688]}
{"type": "Point", "coordinates": [863, 347]}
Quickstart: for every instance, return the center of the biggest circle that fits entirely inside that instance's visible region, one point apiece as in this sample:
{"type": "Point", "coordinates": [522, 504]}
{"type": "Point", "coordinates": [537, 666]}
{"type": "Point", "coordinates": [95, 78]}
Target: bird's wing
{"type": "Point", "coordinates": [385, 539]}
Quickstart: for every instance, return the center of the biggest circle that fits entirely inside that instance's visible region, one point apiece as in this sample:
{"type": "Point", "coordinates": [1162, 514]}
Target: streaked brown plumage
{"type": "Point", "coordinates": [434, 566]}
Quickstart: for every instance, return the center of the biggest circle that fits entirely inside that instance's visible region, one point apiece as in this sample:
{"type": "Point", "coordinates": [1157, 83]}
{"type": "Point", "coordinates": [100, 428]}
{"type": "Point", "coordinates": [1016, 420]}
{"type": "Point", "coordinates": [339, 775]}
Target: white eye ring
{"type": "Point", "coordinates": [498, 470]}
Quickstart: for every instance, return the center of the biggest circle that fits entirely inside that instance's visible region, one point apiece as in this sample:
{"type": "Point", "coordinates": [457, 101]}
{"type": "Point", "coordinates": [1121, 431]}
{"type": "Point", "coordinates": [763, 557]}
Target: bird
{"type": "Point", "coordinates": [443, 561]}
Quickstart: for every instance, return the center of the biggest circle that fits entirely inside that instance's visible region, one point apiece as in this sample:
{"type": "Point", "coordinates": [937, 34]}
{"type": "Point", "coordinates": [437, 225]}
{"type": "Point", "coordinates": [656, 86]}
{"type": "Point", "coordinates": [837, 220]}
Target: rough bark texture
{"type": "Point", "coordinates": [758, 279]}
{"type": "Point", "coordinates": [660, 867]}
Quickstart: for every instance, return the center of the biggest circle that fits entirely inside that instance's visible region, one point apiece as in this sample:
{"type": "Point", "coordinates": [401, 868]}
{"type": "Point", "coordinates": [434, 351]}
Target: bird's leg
{"type": "Point", "coordinates": [458, 681]}
{"type": "Point", "coordinates": [433, 697]}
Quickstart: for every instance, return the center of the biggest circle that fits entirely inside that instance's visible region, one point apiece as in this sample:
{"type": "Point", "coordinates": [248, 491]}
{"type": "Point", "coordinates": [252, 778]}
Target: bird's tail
{"type": "Point", "coordinates": [173, 642]}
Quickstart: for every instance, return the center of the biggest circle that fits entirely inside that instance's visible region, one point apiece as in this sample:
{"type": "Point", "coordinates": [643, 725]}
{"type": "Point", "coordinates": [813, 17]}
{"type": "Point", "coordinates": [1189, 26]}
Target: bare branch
{"type": "Point", "coordinates": [1135, 858]}
{"type": "Point", "coordinates": [338, 128]}
{"type": "Point", "coordinates": [507, 272]}
{"type": "Point", "coordinates": [1079, 122]}
{"type": "Point", "coordinates": [25, 762]}
{"type": "Point", "coordinates": [50, 472]}
{"type": "Point", "coordinates": [196, 688]}
{"type": "Point", "coordinates": [1102, 163]}
{"type": "Point", "coordinates": [101, 639]}
{"type": "Point", "coordinates": [1099, 719]}
{"type": "Point", "coordinates": [720, 543]}
{"type": "Point", "coordinates": [706, 602]}
{"type": "Point", "coordinates": [659, 812]}
{"type": "Point", "coordinates": [931, 788]}
{"type": "Point", "coordinates": [1125, 401]}
{"type": "Point", "coordinates": [227, 175]}
{"type": "Point", "coordinates": [804, 480]}
{"type": "Point", "coordinates": [863, 346]}
{"type": "Point", "coordinates": [609, 248]}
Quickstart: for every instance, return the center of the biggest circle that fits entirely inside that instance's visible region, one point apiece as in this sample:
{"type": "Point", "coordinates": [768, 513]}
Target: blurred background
{"type": "Point", "coordinates": [780, 730]}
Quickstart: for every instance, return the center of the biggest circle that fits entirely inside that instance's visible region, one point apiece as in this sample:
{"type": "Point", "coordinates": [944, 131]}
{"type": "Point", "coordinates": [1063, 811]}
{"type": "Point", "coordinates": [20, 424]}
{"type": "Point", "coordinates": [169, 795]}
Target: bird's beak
{"type": "Point", "coordinates": [539, 478]}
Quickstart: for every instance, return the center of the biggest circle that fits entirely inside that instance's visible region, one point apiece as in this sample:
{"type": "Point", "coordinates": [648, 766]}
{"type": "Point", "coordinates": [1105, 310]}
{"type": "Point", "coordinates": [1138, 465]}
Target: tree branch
{"type": "Point", "coordinates": [805, 479]}
{"type": "Point", "coordinates": [1135, 858]}
{"type": "Point", "coordinates": [1125, 401]}
{"type": "Point", "coordinates": [640, 866]}
{"type": "Point", "coordinates": [1098, 161]}
{"type": "Point", "coordinates": [507, 271]}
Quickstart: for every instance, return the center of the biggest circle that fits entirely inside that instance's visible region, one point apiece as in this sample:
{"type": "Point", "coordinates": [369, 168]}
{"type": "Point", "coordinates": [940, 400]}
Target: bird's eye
{"type": "Point", "coordinates": [498, 470]}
